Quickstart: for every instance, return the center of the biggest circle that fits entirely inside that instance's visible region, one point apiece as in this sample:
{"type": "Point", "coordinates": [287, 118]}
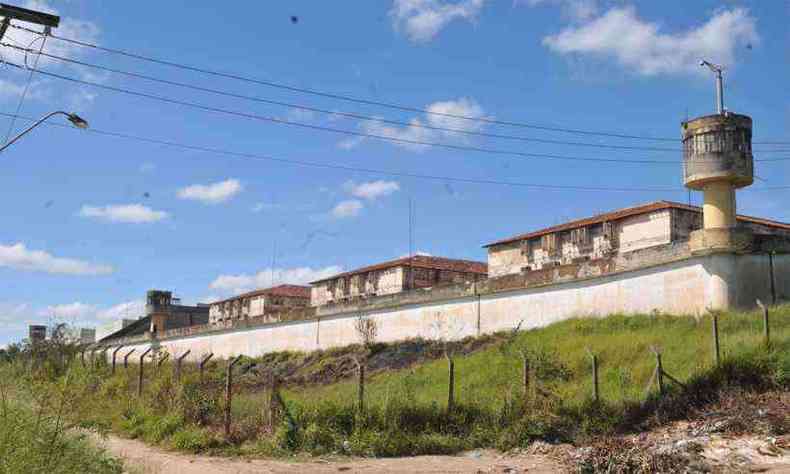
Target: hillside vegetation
{"type": "Point", "coordinates": [406, 395]}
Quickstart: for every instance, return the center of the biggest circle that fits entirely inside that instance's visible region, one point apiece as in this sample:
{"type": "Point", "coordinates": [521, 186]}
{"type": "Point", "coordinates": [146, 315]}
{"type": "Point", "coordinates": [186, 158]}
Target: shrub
{"type": "Point", "coordinates": [192, 439]}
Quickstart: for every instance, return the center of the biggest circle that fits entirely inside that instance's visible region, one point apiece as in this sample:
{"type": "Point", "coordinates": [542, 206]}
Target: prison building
{"type": "Point", "coordinates": [260, 303]}
{"type": "Point", "coordinates": [624, 230]}
{"type": "Point", "coordinates": [162, 312]}
{"type": "Point", "coordinates": [395, 276]}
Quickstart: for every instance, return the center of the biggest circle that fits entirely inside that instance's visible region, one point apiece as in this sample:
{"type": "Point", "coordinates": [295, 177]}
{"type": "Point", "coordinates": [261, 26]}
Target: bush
{"type": "Point", "coordinates": [192, 439]}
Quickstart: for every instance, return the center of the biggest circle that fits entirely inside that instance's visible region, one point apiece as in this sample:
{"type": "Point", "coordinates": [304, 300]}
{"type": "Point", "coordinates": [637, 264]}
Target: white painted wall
{"type": "Point", "coordinates": [686, 287]}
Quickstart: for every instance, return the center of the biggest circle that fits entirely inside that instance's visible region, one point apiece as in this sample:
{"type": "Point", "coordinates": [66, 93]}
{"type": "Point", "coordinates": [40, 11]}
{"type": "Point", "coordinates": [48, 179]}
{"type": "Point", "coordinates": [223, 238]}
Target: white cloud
{"type": "Point", "coordinates": [236, 284]}
{"type": "Point", "coordinates": [127, 310]}
{"type": "Point", "coordinates": [347, 208]}
{"type": "Point", "coordinates": [574, 9]}
{"type": "Point", "coordinates": [15, 315]}
{"type": "Point", "coordinates": [212, 193]}
{"type": "Point", "coordinates": [443, 114]}
{"type": "Point", "coordinates": [19, 257]}
{"type": "Point", "coordinates": [69, 311]}
{"type": "Point", "coordinates": [639, 46]}
{"type": "Point", "coordinates": [371, 190]}
{"type": "Point", "coordinates": [128, 213]}
{"type": "Point", "coordinates": [422, 20]}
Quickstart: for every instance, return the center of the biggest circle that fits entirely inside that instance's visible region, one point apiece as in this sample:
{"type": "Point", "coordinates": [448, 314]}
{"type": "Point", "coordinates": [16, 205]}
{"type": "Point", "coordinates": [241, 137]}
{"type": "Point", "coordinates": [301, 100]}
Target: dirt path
{"type": "Point", "coordinates": [143, 459]}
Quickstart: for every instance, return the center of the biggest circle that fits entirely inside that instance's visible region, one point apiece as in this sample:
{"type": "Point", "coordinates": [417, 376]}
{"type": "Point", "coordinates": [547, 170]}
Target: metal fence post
{"type": "Point", "coordinates": [596, 394]}
{"type": "Point", "coordinates": [716, 351]}
{"type": "Point", "coordinates": [229, 393]}
{"type": "Point", "coordinates": [162, 360]}
{"type": "Point", "coordinates": [114, 354]}
{"type": "Point", "coordinates": [659, 374]}
{"type": "Point", "coordinates": [177, 367]}
{"type": "Point", "coordinates": [126, 359]}
{"type": "Point", "coordinates": [766, 325]}
{"type": "Point", "coordinates": [140, 372]}
{"type": "Point", "coordinates": [203, 363]}
{"type": "Point", "coordinates": [450, 385]}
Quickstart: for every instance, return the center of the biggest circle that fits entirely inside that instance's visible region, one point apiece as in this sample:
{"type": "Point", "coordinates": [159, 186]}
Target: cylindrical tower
{"type": "Point", "coordinates": [717, 160]}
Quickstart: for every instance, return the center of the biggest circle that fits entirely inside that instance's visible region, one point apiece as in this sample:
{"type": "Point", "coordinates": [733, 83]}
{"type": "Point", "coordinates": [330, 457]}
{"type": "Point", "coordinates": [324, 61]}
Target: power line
{"type": "Point", "coordinates": [207, 108]}
{"type": "Point", "coordinates": [25, 90]}
{"type": "Point", "coordinates": [352, 115]}
{"type": "Point", "coordinates": [314, 164]}
{"type": "Point", "coordinates": [346, 98]}
{"type": "Point", "coordinates": [358, 100]}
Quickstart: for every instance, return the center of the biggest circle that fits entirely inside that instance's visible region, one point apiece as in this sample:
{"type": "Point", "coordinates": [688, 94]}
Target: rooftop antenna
{"type": "Point", "coordinates": [719, 84]}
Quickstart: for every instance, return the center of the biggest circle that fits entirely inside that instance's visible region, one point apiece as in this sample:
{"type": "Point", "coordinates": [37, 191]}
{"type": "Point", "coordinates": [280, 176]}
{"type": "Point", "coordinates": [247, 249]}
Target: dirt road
{"type": "Point", "coordinates": [143, 459]}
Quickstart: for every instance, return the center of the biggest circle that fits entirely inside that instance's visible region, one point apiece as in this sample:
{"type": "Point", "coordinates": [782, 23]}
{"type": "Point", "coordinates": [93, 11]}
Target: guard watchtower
{"type": "Point", "coordinates": [157, 307]}
{"type": "Point", "coordinates": [717, 160]}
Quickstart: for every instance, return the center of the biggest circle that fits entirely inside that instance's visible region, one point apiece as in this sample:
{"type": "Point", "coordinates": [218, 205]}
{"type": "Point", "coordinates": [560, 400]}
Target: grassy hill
{"type": "Point", "coordinates": [406, 394]}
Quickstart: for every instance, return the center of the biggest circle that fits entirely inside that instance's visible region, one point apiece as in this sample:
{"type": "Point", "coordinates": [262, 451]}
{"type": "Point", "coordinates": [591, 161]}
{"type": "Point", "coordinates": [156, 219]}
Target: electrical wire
{"type": "Point", "coordinates": [358, 100]}
{"type": "Point", "coordinates": [25, 90]}
{"type": "Point", "coordinates": [339, 113]}
{"type": "Point", "coordinates": [314, 164]}
{"type": "Point", "coordinates": [207, 108]}
{"type": "Point", "coordinates": [347, 98]}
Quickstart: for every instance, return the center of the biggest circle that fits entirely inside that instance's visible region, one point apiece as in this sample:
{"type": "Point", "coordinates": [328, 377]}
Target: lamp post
{"type": "Point", "coordinates": [75, 119]}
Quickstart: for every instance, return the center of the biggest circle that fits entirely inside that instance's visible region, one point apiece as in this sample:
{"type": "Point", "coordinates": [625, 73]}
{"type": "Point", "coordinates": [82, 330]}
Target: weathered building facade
{"type": "Point", "coordinates": [260, 303]}
{"type": "Point", "coordinates": [395, 276]}
{"type": "Point", "coordinates": [162, 313]}
{"type": "Point", "coordinates": [618, 232]}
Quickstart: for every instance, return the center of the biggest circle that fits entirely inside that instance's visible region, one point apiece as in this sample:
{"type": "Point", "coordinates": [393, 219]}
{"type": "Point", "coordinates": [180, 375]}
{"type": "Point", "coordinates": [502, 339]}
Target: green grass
{"type": "Point", "coordinates": [622, 343]}
{"type": "Point", "coordinates": [406, 411]}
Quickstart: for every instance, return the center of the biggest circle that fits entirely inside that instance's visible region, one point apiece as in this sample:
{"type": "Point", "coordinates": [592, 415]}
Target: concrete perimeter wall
{"type": "Point", "coordinates": [687, 286]}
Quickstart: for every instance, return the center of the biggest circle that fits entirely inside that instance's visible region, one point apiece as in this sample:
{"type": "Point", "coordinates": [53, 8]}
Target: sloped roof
{"type": "Point", "coordinates": [627, 212]}
{"type": "Point", "coordinates": [294, 291]}
{"type": "Point", "coordinates": [419, 261]}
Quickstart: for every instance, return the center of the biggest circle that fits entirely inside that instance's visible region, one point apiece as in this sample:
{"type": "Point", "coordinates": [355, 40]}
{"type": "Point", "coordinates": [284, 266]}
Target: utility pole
{"type": "Point", "coordinates": [10, 12]}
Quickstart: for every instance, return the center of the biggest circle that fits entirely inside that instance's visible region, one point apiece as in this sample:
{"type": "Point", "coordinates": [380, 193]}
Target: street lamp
{"type": "Point", "coordinates": [75, 119]}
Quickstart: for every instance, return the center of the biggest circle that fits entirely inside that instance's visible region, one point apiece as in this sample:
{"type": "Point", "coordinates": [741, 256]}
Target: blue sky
{"type": "Point", "coordinates": [91, 222]}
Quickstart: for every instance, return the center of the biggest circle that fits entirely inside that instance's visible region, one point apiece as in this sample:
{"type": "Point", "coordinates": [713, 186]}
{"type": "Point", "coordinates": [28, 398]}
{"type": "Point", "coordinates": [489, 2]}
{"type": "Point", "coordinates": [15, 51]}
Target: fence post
{"type": "Point", "coordinates": [766, 325]}
{"type": "Point", "coordinates": [203, 363]}
{"type": "Point", "coordinates": [177, 367]}
{"type": "Point", "coordinates": [361, 384]}
{"type": "Point", "coordinates": [229, 393]}
{"type": "Point", "coordinates": [126, 359]}
{"type": "Point", "coordinates": [716, 352]}
{"type": "Point", "coordinates": [525, 374]}
{"type": "Point", "coordinates": [162, 360]}
{"type": "Point", "coordinates": [451, 384]}
{"type": "Point", "coordinates": [659, 373]}
{"type": "Point", "coordinates": [140, 372]}
{"type": "Point", "coordinates": [596, 395]}
{"type": "Point", "coordinates": [82, 357]}
{"type": "Point", "coordinates": [114, 354]}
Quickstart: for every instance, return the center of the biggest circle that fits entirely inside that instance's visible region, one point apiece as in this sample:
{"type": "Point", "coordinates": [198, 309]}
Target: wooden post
{"type": "Point", "coordinates": [716, 352]}
{"type": "Point", "coordinates": [203, 364]}
{"type": "Point", "coordinates": [273, 401]}
{"type": "Point", "coordinates": [229, 393]}
{"type": "Point", "coordinates": [596, 395]}
{"type": "Point", "coordinates": [525, 374]}
{"type": "Point", "coordinates": [361, 384]}
{"type": "Point", "coordinates": [659, 374]}
{"type": "Point", "coordinates": [177, 367]}
{"type": "Point", "coordinates": [451, 384]}
{"type": "Point", "coordinates": [140, 372]}
{"type": "Point", "coordinates": [766, 326]}
{"type": "Point", "coordinates": [126, 359]}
